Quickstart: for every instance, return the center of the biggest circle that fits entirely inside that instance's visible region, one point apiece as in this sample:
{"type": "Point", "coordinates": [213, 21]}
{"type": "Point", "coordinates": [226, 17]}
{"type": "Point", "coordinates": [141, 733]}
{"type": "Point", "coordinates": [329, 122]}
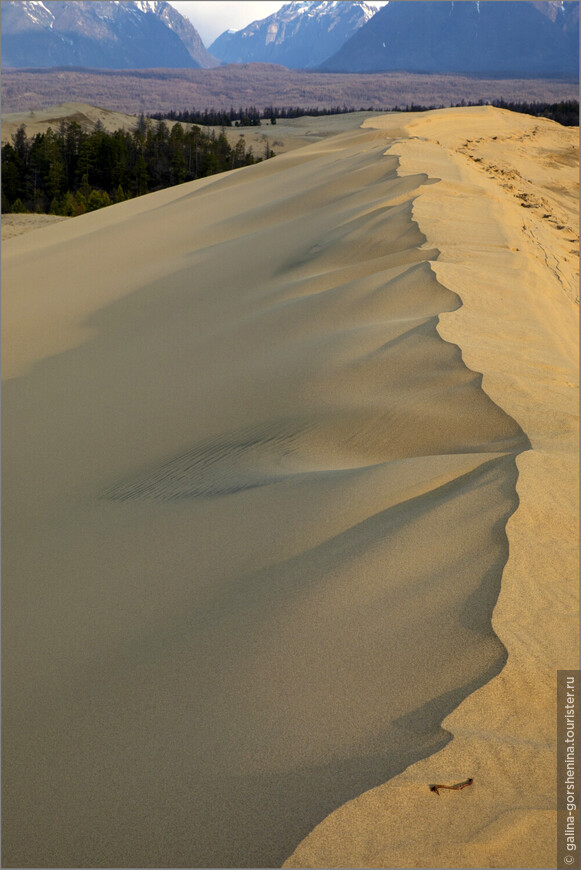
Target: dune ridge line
{"type": "Point", "coordinates": [255, 510]}
{"type": "Point", "coordinates": [517, 325]}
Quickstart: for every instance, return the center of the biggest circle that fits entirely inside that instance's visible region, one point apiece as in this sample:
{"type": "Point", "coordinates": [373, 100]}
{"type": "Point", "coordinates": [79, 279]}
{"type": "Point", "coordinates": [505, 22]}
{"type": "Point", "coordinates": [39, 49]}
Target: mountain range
{"type": "Point", "coordinates": [489, 38]}
{"type": "Point", "coordinates": [100, 34]}
{"type": "Point", "coordinates": [301, 35]}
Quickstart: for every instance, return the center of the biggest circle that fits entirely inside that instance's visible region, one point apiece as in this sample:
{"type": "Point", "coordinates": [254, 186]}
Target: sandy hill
{"type": "Point", "coordinates": [39, 120]}
{"type": "Point", "coordinates": [289, 507]}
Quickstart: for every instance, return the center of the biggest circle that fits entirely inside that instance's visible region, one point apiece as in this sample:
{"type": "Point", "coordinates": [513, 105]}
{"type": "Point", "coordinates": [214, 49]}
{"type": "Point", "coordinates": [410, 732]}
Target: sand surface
{"type": "Point", "coordinates": [255, 506]}
{"type": "Point", "coordinates": [516, 272]}
{"type": "Point", "coordinates": [88, 116]}
{"type": "Point", "coordinates": [17, 224]}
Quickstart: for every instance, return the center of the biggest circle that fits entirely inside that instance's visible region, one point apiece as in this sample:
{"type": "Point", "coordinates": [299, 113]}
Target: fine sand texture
{"type": "Point", "coordinates": [504, 217]}
{"type": "Point", "coordinates": [17, 224]}
{"type": "Point", "coordinates": [266, 454]}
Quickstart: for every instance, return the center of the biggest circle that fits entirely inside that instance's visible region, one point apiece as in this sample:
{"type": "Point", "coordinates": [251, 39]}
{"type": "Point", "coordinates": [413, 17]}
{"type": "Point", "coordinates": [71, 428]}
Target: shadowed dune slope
{"type": "Point", "coordinates": [254, 513]}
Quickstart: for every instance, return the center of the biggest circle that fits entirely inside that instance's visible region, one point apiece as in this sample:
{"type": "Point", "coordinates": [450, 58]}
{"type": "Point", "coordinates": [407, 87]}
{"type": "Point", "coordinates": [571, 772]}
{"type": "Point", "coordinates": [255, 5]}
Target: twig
{"type": "Point", "coordinates": [457, 786]}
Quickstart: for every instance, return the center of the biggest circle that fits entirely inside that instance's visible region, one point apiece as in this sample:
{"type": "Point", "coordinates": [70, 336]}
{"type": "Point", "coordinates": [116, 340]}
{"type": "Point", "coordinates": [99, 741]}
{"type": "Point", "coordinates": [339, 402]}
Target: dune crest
{"type": "Point", "coordinates": [516, 273]}
{"type": "Point", "coordinates": [256, 494]}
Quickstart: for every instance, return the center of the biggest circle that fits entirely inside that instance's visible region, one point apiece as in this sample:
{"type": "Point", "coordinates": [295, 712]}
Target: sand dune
{"type": "Point", "coordinates": [18, 224]}
{"type": "Point", "coordinates": [87, 116]}
{"type": "Point", "coordinates": [256, 495]}
{"type": "Point", "coordinates": [517, 274]}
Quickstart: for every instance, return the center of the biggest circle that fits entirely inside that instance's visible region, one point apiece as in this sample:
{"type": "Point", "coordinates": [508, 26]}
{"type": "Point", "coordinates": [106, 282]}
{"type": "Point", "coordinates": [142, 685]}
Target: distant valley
{"type": "Point", "coordinates": [135, 91]}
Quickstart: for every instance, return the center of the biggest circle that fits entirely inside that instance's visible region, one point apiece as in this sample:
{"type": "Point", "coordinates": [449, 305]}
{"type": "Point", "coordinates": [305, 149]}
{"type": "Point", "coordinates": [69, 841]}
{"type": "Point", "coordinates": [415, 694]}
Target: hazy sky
{"type": "Point", "coordinates": [213, 17]}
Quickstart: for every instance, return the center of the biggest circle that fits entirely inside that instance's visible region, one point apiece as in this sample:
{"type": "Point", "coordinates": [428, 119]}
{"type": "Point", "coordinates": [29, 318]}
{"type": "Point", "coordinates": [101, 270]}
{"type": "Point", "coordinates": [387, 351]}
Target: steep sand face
{"type": "Point", "coordinates": [254, 513]}
{"type": "Point", "coordinates": [516, 271]}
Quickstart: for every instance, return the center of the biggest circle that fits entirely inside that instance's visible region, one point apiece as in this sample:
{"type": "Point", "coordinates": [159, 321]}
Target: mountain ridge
{"type": "Point", "coordinates": [512, 38]}
{"type": "Point", "coordinates": [101, 34]}
{"type": "Point", "coordinates": [300, 35]}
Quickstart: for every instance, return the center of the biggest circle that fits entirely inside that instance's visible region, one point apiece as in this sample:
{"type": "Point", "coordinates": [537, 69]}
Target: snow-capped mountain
{"type": "Point", "coordinates": [299, 36]}
{"type": "Point", "coordinates": [509, 38]}
{"type": "Point", "coordinates": [115, 34]}
{"type": "Point", "coordinates": [184, 28]}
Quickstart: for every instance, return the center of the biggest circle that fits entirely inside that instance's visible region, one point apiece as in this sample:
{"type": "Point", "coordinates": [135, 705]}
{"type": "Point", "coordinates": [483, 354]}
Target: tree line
{"type": "Point", "coordinates": [565, 112]}
{"type": "Point", "coordinates": [69, 171]}
{"type": "Point", "coordinates": [251, 116]}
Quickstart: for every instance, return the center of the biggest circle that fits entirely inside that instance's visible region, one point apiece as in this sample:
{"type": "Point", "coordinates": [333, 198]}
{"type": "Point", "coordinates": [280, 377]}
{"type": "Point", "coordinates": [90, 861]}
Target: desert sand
{"type": "Point", "coordinates": [274, 444]}
{"type": "Point", "coordinates": [84, 114]}
{"type": "Point", "coordinates": [18, 224]}
{"type": "Point", "coordinates": [517, 275]}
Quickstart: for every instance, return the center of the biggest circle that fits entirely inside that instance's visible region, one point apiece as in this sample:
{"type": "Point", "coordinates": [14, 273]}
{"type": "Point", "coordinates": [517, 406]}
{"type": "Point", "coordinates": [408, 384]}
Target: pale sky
{"type": "Point", "coordinates": [213, 17]}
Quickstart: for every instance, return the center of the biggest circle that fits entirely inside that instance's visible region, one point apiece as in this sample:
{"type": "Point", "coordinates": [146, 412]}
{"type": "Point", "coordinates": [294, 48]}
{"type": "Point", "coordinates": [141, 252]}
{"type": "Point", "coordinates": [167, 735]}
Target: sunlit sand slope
{"type": "Point", "coordinates": [504, 216]}
{"type": "Point", "coordinates": [254, 513]}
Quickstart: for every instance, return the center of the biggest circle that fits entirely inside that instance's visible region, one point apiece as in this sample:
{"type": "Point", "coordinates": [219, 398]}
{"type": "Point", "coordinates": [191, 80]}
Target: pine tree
{"type": "Point", "coordinates": [56, 176]}
{"type": "Point", "coordinates": [239, 153]}
{"type": "Point", "coordinates": [21, 144]}
{"type": "Point", "coordinates": [85, 188]}
{"type": "Point", "coordinates": [67, 205]}
{"type": "Point", "coordinates": [141, 178]}
{"type": "Point", "coordinates": [98, 199]}
{"type": "Point", "coordinates": [18, 207]}
{"type": "Point", "coordinates": [80, 206]}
